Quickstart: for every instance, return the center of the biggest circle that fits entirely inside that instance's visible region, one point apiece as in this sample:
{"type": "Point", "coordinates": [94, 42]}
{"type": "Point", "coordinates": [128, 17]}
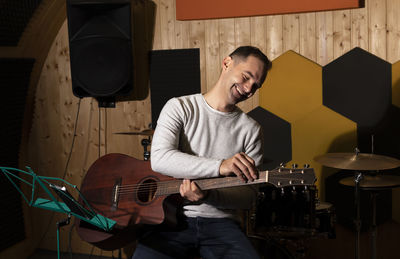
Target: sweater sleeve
{"type": "Point", "coordinates": [166, 158]}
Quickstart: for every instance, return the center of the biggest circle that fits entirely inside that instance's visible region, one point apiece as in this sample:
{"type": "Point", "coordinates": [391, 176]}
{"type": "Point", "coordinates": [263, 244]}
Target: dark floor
{"type": "Point", "coordinates": [387, 245]}
{"type": "Point", "coordinates": [46, 254]}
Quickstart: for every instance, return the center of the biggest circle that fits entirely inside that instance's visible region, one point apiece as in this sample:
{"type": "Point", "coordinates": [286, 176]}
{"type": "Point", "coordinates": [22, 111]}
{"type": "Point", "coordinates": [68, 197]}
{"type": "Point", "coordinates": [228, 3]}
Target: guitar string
{"type": "Point", "coordinates": [145, 187]}
{"type": "Point", "coordinates": [159, 183]}
{"type": "Point", "coordinates": [178, 182]}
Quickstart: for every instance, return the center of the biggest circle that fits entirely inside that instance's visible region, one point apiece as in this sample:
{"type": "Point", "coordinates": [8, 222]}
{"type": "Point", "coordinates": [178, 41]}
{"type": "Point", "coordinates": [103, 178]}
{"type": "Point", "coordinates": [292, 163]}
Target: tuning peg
{"type": "Point", "coordinates": [306, 166]}
{"type": "Point", "coordinates": [282, 165]}
{"type": "Point", "coordinates": [294, 166]}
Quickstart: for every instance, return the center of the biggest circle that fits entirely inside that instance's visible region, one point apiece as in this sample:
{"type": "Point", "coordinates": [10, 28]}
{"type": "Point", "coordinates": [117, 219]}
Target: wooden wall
{"type": "Point", "coordinates": [320, 37]}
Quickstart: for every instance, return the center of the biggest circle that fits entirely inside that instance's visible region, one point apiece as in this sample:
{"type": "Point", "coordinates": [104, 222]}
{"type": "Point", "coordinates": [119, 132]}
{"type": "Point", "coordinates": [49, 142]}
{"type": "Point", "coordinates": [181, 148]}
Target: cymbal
{"type": "Point", "coordinates": [147, 132]}
{"type": "Point", "coordinates": [374, 182]}
{"type": "Point", "coordinates": [359, 161]}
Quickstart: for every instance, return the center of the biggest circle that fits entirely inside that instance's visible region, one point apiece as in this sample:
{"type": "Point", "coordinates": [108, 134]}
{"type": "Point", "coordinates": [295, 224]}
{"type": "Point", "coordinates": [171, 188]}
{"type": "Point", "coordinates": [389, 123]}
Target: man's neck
{"type": "Point", "coordinates": [217, 100]}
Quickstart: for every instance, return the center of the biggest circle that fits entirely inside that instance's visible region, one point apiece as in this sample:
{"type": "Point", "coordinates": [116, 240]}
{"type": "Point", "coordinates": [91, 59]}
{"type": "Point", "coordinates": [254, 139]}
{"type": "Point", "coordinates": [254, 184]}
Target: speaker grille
{"type": "Point", "coordinates": [101, 66]}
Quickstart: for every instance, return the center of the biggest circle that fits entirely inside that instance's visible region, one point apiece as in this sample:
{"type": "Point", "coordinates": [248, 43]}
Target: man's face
{"type": "Point", "coordinates": [243, 78]}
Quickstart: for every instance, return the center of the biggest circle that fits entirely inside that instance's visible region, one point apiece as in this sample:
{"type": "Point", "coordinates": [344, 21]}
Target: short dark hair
{"type": "Point", "coordinates": [243, 52]}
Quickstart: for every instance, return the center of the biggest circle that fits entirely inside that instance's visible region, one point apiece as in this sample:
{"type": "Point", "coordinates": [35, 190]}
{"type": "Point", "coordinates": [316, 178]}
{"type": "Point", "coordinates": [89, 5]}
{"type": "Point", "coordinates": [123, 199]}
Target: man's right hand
{"type": "Point", "coordinates": [240, 165]}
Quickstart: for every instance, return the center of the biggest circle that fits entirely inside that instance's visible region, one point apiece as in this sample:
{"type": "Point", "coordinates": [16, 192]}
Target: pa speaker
{"type": "Point", "coordinates": [100, 48]}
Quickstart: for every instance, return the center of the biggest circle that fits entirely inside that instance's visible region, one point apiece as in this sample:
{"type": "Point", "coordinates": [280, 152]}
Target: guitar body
{"type": "Point", "coordinates": [123, 189]}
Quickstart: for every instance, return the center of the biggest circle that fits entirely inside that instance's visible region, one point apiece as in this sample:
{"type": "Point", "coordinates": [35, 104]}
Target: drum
{"type": "Point", "coordinates": [325, 220]}
{"type": "Point", "coordinates": [285, 212]}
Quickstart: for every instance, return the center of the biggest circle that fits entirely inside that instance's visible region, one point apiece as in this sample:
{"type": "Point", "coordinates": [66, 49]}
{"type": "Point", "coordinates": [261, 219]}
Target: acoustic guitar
{"type": "Point", "coordinates": [126, 190]}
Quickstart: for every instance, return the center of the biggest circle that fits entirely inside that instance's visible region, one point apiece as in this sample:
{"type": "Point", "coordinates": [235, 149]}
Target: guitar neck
{"type": "Point", "coordinates": [230, 181]}
{"type": "Point", "coordinates": [172, 187]}
{"type": "Point", "coordinates": [276, 177]}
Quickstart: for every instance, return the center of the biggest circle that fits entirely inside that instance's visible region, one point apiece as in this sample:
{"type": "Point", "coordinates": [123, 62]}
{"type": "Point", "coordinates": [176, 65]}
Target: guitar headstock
{"type": "Point", "coordinates": [283, 177]}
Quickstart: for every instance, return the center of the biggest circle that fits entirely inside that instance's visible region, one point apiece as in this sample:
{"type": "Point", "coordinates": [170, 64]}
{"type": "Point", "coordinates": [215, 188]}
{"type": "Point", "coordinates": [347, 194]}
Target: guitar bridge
{"type": "Point", "coordinates": [115, 194]}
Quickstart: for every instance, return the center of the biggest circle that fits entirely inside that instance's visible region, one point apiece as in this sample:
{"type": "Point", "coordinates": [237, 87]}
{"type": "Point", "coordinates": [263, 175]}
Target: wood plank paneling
{"type": "Point", "coordinates": [377, 26]}
{"type": "Point", "coordinates": [307, 36]}
{"type": "Point", "coordinates": [258, 32]}
{"type": "Point", "coordinates": [359, 28]}
{"type": "Point", "coordinates": [197, 40]}
{"type": "Point", "coordinates": [274, 36]}
{"type": "Point", "coordinates": [167, 22]}
{"type": "Point", "coordinates": [182, 32]}
{"type": "Point", "coordinates": [213, 67]}
{"type": "Point", "coordinates": [324, 37]}
{"type": "Point", "coordinates": [291, 33]}
{"type": "Point", "coordinates": [393, 30]}
{"type": "Point", "coordinates": [226, 37]}
{"type": "Point", "coordinates": [341, 33]}
{"type": "Point", "coordinates": [157, 26]}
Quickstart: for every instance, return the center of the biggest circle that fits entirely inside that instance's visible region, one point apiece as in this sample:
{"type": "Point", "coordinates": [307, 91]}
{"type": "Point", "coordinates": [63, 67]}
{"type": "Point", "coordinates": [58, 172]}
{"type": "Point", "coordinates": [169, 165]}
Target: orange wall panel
{"type": "Point", "coordinates": [210, 9]}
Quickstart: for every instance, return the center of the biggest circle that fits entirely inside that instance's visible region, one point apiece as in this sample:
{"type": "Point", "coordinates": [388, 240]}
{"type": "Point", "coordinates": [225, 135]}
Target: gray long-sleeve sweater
{"type": "Point", "coordinates": [192, 139]}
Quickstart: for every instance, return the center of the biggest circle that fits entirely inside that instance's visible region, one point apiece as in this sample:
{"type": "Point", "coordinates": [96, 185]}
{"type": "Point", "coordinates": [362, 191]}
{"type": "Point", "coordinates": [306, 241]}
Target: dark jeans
{"type": "Point", "coordinates": [208, 237]}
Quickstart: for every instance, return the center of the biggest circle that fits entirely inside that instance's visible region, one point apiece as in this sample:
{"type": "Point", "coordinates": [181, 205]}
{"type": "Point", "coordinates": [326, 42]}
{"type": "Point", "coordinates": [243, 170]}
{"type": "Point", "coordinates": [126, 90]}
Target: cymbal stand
{"type": "Point", "coordinates": [373, 227]}
{"type": "Point", "coordinates": [145, 143]}
{"type": "Point", "coordinates": [357, 178]}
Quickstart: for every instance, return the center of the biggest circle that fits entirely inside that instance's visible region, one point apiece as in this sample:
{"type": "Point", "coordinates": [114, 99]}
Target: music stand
{"type": "Point", "coordinates": [69, 206]}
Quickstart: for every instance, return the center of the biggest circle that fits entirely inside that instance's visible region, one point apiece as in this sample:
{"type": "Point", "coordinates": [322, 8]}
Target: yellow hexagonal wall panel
{"type": "Point", "coordinates": [319, 132]}
{"type": "Point", "coordinates": [293, 87]}
{"type": "Point", "coordinates": [396, 84]}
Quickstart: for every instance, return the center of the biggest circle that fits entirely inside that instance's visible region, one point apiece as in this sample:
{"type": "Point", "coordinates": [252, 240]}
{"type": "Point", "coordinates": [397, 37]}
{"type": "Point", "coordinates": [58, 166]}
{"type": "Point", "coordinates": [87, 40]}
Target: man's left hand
{"type": "Point", "coordinates": [190, 191]}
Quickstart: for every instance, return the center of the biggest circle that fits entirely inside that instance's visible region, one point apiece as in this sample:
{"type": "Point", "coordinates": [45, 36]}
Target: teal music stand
{"type": "Point", "coordinates": [69, 206]}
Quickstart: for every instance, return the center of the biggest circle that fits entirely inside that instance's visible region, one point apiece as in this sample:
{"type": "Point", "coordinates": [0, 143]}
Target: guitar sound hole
{"type": "Point", "coordinates": [147, 191]}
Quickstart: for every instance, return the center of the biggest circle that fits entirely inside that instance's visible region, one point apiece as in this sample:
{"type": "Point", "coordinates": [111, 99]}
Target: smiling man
{"type": "Point", "coordinates": [204, 136]}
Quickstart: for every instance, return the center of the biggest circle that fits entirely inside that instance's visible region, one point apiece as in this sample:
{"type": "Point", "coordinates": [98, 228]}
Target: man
{"type": "Point", "coordinates": [203, 137]}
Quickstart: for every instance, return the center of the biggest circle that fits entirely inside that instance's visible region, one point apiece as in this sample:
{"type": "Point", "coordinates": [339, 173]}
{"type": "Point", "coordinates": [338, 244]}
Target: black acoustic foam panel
{"type": "Point", "coordinates": [14, 16]}
{"type": "Point", "coordinates": [14, 79]}
{"type": "Point", "coordinates": [277, 138]}
{"type": "Point", "coordinates": [173, 73]}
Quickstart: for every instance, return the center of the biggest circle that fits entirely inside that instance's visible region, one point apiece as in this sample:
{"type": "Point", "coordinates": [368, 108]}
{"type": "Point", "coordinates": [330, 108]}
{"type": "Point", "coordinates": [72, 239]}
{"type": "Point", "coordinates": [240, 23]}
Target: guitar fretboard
{"type": "Point", "coordinates": [281, 177]}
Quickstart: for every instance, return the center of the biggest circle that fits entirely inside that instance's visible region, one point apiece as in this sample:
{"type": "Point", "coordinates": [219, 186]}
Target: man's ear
{"type": "Point", "coordinates": [226, 62]}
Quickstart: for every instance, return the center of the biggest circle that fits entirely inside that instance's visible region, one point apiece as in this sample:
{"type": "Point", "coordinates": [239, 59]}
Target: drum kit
{"type": "Point", "coordinates": [294, 212]}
